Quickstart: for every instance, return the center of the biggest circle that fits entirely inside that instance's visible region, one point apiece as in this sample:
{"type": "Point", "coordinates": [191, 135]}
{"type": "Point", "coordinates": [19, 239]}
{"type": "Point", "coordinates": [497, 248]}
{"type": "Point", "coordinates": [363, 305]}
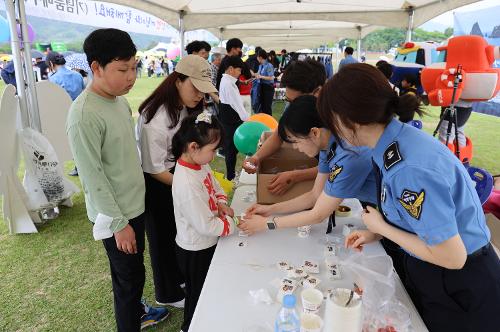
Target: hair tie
{"type": "Point", "coordinates": [204, 116]}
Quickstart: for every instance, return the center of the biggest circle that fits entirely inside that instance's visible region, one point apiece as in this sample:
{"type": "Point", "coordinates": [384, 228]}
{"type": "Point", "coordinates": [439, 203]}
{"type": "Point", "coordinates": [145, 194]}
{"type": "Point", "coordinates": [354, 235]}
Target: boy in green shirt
{"type": "Point", "coordinates": [100, 129]}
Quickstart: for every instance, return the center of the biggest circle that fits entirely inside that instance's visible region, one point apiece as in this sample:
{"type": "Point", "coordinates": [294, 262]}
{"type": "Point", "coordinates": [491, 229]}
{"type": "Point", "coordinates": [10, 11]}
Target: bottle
{"type": "Point", "coordinates": [288, 320]}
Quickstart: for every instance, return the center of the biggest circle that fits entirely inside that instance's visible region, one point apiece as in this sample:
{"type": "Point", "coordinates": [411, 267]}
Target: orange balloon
{"type": "Point", "coordinates": [265, 119]}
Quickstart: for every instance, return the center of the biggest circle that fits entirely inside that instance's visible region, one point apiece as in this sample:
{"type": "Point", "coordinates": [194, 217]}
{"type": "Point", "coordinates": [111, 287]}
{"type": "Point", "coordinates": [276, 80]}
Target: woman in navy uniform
{"type": "Point", "coordinates": [343, 172]}
{"type": "Point", "coordinates": [427, 202]}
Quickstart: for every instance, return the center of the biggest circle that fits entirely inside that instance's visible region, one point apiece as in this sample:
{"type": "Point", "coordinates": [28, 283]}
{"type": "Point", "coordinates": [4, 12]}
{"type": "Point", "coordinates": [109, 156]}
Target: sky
{"type": "Point", "coordinates": [446, 19]}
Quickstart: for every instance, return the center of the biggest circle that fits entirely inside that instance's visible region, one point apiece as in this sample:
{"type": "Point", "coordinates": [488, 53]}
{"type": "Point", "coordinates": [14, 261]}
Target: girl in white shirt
{"type": "Point", "coordinates": [200, 205]}
{"type": "Point", "coordinates": [161, 114]}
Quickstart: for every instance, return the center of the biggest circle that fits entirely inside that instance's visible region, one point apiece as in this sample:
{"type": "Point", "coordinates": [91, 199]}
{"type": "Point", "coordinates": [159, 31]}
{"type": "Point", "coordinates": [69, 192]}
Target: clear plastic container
{"type": "Point", "coordinates": [288, 320]}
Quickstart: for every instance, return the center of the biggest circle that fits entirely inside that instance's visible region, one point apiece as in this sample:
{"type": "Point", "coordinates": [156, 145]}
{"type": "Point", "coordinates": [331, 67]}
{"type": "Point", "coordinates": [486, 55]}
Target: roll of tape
{"type": "Point", "coordinates": [343, 211]}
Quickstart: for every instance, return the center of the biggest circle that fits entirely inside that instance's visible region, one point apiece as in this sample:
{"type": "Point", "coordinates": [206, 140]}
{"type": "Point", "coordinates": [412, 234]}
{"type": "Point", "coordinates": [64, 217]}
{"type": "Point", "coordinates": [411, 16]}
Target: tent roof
{"type": "Point", "coordinates": [328, 19]}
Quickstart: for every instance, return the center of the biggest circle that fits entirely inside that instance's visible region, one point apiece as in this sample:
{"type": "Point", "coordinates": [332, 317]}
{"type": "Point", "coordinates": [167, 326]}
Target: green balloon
{"type": "Point", "coordinates": [246, 137]}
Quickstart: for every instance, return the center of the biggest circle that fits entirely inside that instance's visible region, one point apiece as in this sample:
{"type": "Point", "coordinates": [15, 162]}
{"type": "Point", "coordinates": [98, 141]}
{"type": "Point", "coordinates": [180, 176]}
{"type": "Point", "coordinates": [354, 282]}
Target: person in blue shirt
{"type": "Point", "coordinates": [69, 80]}
{"type": "Point", "coordinates": [344, 171]}
{"type": "Point", "coordinates": [427, 204]}
{"type": "Point", "coordinates": [266, 83]}
{"type": "Point", "coordinates": [348, 58]}
{"type": "Point", "coordinates": [9, 74]}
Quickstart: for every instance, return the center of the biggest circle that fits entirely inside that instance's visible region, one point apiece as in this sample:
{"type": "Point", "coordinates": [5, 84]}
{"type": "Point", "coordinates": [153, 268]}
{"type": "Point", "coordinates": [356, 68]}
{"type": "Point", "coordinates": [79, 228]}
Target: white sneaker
{"type": "Point", "coordinates": [178, 304]}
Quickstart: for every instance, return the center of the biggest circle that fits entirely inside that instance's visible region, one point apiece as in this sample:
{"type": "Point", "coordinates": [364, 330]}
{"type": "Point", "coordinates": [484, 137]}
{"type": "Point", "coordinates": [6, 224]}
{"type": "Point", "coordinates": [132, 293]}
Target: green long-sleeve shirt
{"type": "Point", "coordinates": [101, 137]}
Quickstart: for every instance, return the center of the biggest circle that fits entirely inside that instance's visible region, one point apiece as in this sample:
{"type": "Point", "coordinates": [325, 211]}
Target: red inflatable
{"type": "Point", "coordinates": [479, 80]}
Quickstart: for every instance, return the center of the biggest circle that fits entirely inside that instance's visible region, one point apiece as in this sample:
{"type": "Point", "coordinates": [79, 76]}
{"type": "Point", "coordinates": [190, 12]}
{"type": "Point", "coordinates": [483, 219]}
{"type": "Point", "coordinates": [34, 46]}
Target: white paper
{"type": "Point", "coordinates": [102, 226]}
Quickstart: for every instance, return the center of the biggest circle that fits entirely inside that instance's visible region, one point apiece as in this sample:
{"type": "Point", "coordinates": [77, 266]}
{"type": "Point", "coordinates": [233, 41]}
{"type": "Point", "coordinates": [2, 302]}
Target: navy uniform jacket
{"type": "Point", "coordinates": [350, 169]}
{"type": "Point", "coordinates": [426, 190]}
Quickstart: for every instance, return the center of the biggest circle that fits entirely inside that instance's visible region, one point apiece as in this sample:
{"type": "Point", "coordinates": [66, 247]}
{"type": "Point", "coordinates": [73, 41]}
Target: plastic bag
{"type": "Point", "coordinates": [375, 275]}
{"type": "Point", "coordinates": [44, 179]}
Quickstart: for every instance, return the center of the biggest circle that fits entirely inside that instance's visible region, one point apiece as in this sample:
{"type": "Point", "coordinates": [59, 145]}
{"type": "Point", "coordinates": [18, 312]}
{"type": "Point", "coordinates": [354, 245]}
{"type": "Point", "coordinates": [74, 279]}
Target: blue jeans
{"type": "Point", "coordinates": [255, 96]}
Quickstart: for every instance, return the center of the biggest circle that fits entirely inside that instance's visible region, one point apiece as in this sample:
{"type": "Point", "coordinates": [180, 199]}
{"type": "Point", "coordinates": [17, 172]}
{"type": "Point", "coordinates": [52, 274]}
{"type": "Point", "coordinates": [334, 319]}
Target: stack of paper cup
{"type": "Point", "coordinates": [342, 318]}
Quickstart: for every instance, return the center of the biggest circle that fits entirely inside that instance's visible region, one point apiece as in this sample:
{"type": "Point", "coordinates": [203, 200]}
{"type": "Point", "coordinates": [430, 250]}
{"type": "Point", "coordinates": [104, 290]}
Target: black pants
{"type": "Point", "coordinates": [127, 277]}
{"type": "Point", "coordinates": [161, 232]}
{"type": "Point", "coordinates": [463, 114]}
{"type": "Point", "coordinates": [457, 300]}
{"type": "Point", "coordinates": [230, 121]}
{"type": "Point", "coordinates": [266, 98]}
{"type": "Point", "coordinates": [194, 266]}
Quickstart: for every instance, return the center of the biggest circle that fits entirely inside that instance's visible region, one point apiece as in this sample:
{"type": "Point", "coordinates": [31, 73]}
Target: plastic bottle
{"type": "Point", "coordinates": [288, 320]}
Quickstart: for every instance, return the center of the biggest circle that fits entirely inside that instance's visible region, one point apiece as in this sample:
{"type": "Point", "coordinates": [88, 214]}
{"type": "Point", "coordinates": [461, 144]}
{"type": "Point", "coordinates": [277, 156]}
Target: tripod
{"type": "Point", "coordinates": [450, 113]}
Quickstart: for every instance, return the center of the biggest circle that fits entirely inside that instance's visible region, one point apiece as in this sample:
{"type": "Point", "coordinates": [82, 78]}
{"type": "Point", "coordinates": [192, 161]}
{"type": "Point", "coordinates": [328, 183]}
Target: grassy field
{"type": "Point", "coordinates": [58, 279]}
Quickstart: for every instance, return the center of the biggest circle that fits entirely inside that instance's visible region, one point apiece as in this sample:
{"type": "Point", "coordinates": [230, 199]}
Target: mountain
{"type": "Point", "coordinates": [432, 26]}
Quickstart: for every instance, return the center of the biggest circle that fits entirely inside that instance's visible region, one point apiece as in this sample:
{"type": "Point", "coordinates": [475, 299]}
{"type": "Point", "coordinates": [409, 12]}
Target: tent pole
{"type": "Point", "coordinates": [221, 36]}
{"type": "Point", "coordinates": [18, 63]}
{"type": "Point", "coordinates": [409, 31]}
{"type": "Point", "coordinates": [31, 95]}
{"type": "Point", "coordinates": [181, 30]}
{"type": "Point", "coordinates": [359, 42]}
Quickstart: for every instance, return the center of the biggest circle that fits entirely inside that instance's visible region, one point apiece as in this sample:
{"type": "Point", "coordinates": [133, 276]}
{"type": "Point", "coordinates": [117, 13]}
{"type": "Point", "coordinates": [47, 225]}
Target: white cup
{"type": "Point", "coordinates": [310, 323]}
{"type": "Point", "coordinates": [311, 300]}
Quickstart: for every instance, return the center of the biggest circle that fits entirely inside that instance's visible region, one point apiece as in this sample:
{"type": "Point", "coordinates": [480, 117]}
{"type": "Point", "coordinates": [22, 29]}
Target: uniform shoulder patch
{"type": "Point", "coordinates": [412, 202]}
{"type": "Point", "coordinates": [392, 155]}
{"type": "Point", "coordinates": [336, 170]}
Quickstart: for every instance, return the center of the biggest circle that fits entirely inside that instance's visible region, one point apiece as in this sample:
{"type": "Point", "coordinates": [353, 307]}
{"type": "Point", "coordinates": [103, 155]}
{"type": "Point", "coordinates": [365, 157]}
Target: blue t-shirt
{"type": "Point", "coordinates": [69, 80]}
{"type": "Point", "coordinates": [266, 69]}
{"type": "Point", "coordinates": [351, 172]}
{"type": "Point", "coordinates": [426, 190]}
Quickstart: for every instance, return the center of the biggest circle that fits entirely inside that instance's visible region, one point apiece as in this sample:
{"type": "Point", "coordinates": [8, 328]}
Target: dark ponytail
{"type": "Point", "coordinates": [300, 117]}
{"type": "Point", "coordinates": [200, 132]}
{"type": "Point", "coordinates": [407, 106]}
{"type": "Point", "coordinates": [361, 94]}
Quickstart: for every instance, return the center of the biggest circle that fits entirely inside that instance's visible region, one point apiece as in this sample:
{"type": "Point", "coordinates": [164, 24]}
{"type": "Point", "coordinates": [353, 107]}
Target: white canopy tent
{"type": "Point", "coordinates": [222, 16]}
{"type": "Point", "coordinates": [291, 24]}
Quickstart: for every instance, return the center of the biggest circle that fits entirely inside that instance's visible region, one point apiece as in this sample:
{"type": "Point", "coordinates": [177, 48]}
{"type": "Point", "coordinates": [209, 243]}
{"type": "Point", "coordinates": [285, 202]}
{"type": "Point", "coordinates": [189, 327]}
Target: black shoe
{"type": "Point", "coordinates": [74, 172]}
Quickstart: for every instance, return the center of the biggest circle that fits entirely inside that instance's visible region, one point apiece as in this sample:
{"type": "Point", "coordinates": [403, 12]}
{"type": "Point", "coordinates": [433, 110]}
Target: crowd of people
{"type": "Point", "coordinates": [155, 180]}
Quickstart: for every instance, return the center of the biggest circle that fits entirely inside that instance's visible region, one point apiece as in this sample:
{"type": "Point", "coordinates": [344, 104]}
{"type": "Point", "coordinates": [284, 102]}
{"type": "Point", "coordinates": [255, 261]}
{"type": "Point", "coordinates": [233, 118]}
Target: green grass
{"type": "Point", "coordinates": [58, 279]}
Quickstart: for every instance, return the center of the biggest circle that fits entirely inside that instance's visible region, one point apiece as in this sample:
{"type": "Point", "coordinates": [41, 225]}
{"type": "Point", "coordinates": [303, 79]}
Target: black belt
{"type": "Point", "coordinates": [481, 251]}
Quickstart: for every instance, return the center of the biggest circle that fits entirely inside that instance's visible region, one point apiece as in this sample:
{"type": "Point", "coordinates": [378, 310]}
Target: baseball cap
{"type": "Point", "coordinates": [198, 70]}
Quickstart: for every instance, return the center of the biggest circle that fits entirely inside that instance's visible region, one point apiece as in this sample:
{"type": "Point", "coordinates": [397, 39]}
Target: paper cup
{"type": "Point", "coordinates": [310, 323]}
{"type": "Point", "coordinates": [311, 300]}
{"type": "Point", "coordinates": [303, 231]}
{"type": "Point", "coordinates": [338, 317]}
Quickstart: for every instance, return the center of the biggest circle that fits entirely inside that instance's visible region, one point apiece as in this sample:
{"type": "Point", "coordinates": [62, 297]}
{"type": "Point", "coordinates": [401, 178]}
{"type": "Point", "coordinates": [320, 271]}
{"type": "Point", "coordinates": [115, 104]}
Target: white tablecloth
{"type": "Point", "coordinates": [225, 303]}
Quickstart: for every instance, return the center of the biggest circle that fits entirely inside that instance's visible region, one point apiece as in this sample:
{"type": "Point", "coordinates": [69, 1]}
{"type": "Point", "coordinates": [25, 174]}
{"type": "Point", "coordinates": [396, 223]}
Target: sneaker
{"type": "Point", "coordinates": [153, 315]}
{"type": "Point", "coordinates": [178, 304]}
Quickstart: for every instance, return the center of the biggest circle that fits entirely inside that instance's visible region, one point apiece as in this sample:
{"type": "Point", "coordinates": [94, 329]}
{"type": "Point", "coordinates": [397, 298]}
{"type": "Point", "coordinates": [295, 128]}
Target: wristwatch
{"type": "Point", "coordinates": [271, 223]}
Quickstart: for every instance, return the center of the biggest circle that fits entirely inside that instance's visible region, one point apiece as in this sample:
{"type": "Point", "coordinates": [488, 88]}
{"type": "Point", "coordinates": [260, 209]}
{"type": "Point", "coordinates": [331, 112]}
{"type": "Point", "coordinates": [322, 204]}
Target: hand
{"type": "Point", "coordinates": [358, 238]}
{"type": "Point", "coordinates": [281, 183]}
{"type": "Point", "coordinates": [253, 224]}
{"type": "Point", "coordinates": [373, 220]}
{"type": "Point", "coordinates": [249, 163]}
{"type": "Point", "coordinates": [125, 240]}
{"type": "Point", "coordinates": [257, 76]}
{"type": "Point", "coordinates": [224, 210]}
{"type": "Point", "coordinates": [258, 209]}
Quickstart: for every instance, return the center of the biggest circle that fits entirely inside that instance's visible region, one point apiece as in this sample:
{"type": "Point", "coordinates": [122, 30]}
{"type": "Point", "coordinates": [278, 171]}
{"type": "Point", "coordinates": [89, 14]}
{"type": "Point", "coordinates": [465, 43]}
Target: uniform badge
{"type": "Point", "coordinates": [336, 170]}
{"type": "Point", "coordinates": [392, 155]}
{"type": "Point", "coordinates": [412, 202]}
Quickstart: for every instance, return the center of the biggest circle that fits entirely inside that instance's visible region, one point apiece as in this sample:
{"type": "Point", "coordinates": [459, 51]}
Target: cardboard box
{"type": "Point", "coordinates": [285, 159]}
